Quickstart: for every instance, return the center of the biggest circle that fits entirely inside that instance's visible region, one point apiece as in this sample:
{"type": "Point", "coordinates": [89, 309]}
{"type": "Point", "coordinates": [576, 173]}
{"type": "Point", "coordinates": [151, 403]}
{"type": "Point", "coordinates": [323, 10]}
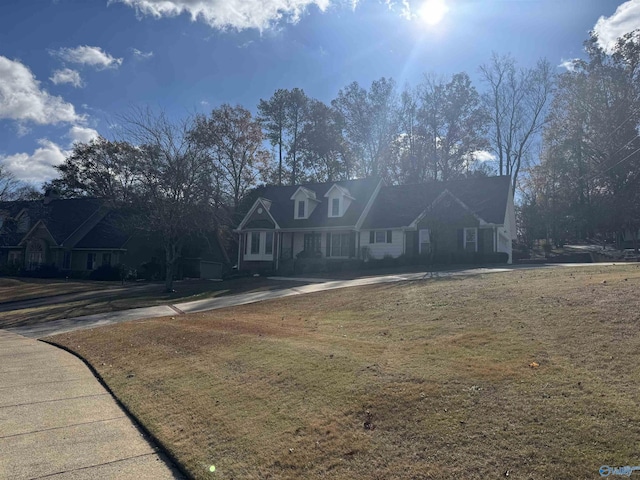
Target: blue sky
{"type": "Point", "coordinates": [69, 67]}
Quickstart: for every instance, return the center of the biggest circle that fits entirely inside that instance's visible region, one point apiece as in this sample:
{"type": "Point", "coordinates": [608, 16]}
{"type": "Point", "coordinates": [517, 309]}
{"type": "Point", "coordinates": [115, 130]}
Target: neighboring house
{"type": "Point", "coordinates": [71, 234]}
{"type": "Point", "coordinates": [82, 234]}
{"type": "Point", "coordinates": [362, 219]}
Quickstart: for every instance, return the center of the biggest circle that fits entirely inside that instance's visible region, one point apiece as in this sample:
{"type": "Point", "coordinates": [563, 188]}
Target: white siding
{"type": "Point", "coordinates": [508, 232]}
{"type": "Point", "coordinates": [379, 250]}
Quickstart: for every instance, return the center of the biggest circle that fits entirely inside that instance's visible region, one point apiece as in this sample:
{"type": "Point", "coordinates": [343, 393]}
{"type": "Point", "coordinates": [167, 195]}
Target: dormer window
{"type": "Point", "coordinates": [304, 203]}
{"type": "Point", "coordinates": [339, 199]}
{"type": "Point", "coordinates": [335, 207]}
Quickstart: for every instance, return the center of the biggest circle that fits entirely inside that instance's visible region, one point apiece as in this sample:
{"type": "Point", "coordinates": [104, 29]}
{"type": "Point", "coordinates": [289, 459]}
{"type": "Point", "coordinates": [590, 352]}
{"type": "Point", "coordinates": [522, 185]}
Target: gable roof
{"type": "Point", "coordinates": [399, 205]}
{"type": "Point", "coordinates": [282, 207]}
{"type": "Point", "coordinates": [62, 218]}
{"type": "Point", "coordinates": [106, 234]}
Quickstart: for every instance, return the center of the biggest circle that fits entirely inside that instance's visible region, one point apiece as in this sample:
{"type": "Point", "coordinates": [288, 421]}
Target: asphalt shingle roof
{"type": "Point", "coordinates": [282, 205]}
{"type": "Point", "coordinates": [399, 205]}
{"type": "Point", "coordinates": [62, 217]}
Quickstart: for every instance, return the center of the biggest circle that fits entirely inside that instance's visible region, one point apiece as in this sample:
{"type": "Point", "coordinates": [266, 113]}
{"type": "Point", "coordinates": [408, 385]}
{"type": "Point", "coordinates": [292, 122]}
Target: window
{"type": "Point", "coordinates": [66, 261]}
{"type": "Point", "coordinates": [35, 260]}
{"type": "Point", "coordinates": [268, 244]}
{"type": "Point", "coordinates": [471, 239]}
{"type": "Point", "coordinates": [381, 236]}
{"type": "Point", "coordinates": [259, 246]}
{"type": "Point", "coordinates": [340, 245]}
{"type": "Point", "coordinates": [91, 261]}
{"type": "Point", "coordinates": [255, 243]}
{"type": "Point", "coordinates": [312, 242]}
{"type": "Point", "coordinates": [425, 241]}
{"type": "Point", "coordinates": [301, 209]}
{"type": "Point", "coordinates": [14, 257]}
{"type": "Point", "coordinates": [106, 259]}
{"type": "Point", "coordinates": [335, 207]}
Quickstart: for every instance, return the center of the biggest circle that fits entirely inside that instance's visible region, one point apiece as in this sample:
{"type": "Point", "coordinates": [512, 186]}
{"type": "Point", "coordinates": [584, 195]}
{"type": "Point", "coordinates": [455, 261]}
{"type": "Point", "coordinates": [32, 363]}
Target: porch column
{"type": "Point", "coordinates": [277, 248]}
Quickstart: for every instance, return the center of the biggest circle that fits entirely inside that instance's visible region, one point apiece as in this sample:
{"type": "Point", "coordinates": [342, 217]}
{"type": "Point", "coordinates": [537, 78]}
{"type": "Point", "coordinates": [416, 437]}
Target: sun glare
{"type": "Point", "coordinates": [432, 11]}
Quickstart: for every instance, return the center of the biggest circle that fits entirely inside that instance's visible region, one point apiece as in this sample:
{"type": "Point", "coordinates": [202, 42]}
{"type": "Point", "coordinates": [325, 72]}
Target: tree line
{"type": "Point", "coordinates": [569, 143]}
{"type": "Point", "coordinates": [587, 180]}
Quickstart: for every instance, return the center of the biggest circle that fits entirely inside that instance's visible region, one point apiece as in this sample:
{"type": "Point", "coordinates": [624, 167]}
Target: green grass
{"type": "Point", "coordinates": [427, 379]}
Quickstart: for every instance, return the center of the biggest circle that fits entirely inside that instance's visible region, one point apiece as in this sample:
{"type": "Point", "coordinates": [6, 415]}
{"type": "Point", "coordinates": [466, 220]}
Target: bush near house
{"type": "Point", "coordinates": [307, 264]}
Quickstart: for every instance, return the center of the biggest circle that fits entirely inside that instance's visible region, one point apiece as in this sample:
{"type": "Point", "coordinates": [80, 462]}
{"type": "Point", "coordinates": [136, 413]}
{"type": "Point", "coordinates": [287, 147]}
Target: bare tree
{"type": "Point", "coordinates": [173, 182]}
{"type": "Point", "coordinates": [518, 100]}
{"type": "Point", "coordinates": [10, 187]}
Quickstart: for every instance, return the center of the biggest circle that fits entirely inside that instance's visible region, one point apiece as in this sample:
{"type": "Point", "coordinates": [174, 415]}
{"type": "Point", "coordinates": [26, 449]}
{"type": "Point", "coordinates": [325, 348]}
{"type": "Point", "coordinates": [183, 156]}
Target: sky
{"type": "Point", "coordinates": [70, 68]}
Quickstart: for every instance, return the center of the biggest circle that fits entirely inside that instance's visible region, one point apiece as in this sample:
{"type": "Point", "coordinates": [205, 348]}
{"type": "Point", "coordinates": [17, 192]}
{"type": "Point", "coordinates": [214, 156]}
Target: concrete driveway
{"type": "Point", "coordinates": [57, 421]}
{"type": "Point", "coordinates": [319, 285]}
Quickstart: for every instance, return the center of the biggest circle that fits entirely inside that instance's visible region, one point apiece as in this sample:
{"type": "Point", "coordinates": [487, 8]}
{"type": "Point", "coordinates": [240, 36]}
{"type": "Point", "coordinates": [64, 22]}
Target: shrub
{"type": "Point", "coordinates": [309, 254]}
{"type": "Point", "coordinates": [10, 269]}
{"type": "Point", "coordinates": [43, 271]}
{"type": "Point", "coordinates": [309, 265]}
{"type": "Point", "coordinates": [107, 273]}
{"type": "Point", "coordinates": [150, 271]}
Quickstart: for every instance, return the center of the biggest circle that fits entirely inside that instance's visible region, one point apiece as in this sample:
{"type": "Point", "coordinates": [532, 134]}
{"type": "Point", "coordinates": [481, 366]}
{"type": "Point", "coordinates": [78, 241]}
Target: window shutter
{"type": "Point", "coordinates": [460, 239]}
{"type": "Point", "coordinates": [481, 240]}
{"type": "Point", "coordinates": [328, 246]}
{"type": "Point", "coordinates": [389, 236]}
{"type": "Point", "coordinates": [372, 237]}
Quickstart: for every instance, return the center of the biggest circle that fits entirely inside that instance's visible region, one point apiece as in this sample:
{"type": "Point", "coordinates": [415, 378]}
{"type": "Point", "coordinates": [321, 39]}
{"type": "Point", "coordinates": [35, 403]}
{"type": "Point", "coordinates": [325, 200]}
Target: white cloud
{"type": "Point", "coordinates": [222, 14]}
{"type": "Point", "coordinates": [82, 134]}
{"type": "Point", "coordinates": [402, 7]}
{"type": "Point", "coordinates": [86, 55]}
{"type": "Point", "coordinates": [22, 99]}
{"type": "Point", "coordinates": [569, 65]}
{"type": "Point", "coordinates": [66, 75]}
{"type": "Point", "coordinates": [37, 167]}
{"type": "Point", "coordinates": [483, 156]}
{"type": "Point", "coordinates": [141, 55]}
{"type": "Point", "coordinates": [625, 19]}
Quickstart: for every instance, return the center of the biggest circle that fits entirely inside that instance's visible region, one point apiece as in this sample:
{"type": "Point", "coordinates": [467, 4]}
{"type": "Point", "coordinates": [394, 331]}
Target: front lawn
{"type": "Point", "coordinates": [20, 289]}
{"type": "Point", "coordinates": [103, 297]}
{"type": "Point", "coordinates": [525, 374]}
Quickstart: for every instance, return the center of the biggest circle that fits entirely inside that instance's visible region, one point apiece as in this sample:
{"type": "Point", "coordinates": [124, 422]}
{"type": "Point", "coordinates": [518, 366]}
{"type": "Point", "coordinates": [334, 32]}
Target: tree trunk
{"type": "Point", "coordinates": [168, 280]}
{"type": "Point", "coordinates": [171, 256]}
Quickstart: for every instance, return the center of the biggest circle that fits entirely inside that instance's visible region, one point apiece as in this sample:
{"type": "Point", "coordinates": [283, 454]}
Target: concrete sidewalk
{"type": "Point", "coordinates": [57, 421]}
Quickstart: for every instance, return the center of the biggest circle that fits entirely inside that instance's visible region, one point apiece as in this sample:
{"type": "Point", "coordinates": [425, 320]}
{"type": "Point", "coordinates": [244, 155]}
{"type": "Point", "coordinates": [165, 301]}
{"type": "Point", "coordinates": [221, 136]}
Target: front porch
{"type": "Point", "coordinates": [270, 250]}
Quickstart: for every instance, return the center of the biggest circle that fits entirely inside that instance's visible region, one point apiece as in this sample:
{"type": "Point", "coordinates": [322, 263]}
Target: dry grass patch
{"type": "Point", "coordinates": [102, 297]}
{"type": "Point", "coordinates": [426, 379]}
{"type": "Point", "coordinates": [17, 289]}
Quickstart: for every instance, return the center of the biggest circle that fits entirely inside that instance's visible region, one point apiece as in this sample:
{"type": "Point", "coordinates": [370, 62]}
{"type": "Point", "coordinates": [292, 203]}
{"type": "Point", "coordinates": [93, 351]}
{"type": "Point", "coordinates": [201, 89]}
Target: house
{"type": "Point", "coordinates": [77, 236]}
{"type": "Point", "coordinates": [364, 219]}
{"type": "Point", "coordinates": [70, 234]}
